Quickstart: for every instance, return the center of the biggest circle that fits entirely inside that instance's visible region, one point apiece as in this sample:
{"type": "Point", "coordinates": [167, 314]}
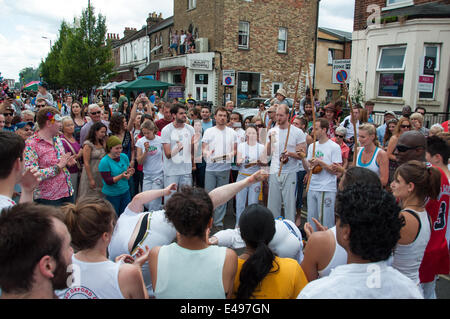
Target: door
{"type": "Point", "coordinates": [201, 87]}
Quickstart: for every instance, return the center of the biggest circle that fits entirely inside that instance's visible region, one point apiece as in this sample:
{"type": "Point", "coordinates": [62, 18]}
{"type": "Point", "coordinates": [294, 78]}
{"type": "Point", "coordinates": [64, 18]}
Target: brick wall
{"type": "Point", "coordinates": [218, 20]}
{"type": "Point", "coordinates": [361, 14]}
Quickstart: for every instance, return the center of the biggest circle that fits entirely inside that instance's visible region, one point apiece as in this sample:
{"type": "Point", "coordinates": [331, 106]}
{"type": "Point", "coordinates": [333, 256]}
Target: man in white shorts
{"type": "Point", "coordinates": [282, 189]}
{"type": "Point", "coordinates": [177, 140]}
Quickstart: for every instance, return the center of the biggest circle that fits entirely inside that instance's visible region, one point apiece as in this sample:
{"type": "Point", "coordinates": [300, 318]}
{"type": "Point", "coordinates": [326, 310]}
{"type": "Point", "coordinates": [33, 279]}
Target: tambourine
{"type": "Point", "coordinates": [317, 169]}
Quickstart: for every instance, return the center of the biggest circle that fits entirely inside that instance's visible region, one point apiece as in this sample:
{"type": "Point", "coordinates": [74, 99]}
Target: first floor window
{"type": "Point", "coordinates": [244, 34]}
{"type": "Point", "coordinates": [282, 40]}
{"type": "Point", "coordinates": [391, 71]}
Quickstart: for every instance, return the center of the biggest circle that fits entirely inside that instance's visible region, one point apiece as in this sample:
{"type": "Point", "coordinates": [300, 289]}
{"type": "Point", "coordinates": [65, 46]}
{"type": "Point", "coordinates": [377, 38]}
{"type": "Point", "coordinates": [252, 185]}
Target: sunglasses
{"type": "Point", "coordinates": [95, 113]}
{"type": "Point", "coordinates": [41, 105]}
{"type": "Point", "coordinates": [340, 136]}
{"type": "Point", "coordinates": [405, 126]}
{"type": "Point", "coordinates": [7, 114]}
{"type": "Point", "coordinates": [404, 148]}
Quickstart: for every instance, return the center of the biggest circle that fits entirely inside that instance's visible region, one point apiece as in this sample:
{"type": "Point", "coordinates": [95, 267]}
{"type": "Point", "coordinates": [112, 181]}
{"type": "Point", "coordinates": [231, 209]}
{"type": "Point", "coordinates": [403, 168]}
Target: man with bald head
{"type": "Point", "coordinates": [436, 260]}
{"type": "Point", "coordinates": [282, 187]}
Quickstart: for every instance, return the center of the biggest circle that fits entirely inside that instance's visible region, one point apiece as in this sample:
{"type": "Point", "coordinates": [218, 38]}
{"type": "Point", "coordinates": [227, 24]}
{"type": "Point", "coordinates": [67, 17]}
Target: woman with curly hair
{"type": "Point", "coordinates": [368, 227]}
{"type": "Point", "coordinates": [261, 274]}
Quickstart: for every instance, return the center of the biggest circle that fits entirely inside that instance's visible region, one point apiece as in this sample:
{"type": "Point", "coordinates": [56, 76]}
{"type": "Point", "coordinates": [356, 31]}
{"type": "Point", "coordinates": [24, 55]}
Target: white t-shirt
{"type": "Point", "coordinates": [250, 154]}
{"type": "Point", "coordinates": [182, 39]}
{"type": "Point", "coordinates": [153, 163]}
{"type": "Point", "coordinates": [330, 153]}
{"type": "Point", "coordinates": [362, 281]}
{"type": "Point", "coordinates": [181, 163]}
{"type": "Point", "coordinates": [296, 137]}
{"type": "Point", "coordinates": [350, 129]}
{"type": "Point", "coordinates": [5, 202]}
{"type": "Point", "coordinates": [240, 139]}
{"type": "Point", "coordinates": [222, 142]}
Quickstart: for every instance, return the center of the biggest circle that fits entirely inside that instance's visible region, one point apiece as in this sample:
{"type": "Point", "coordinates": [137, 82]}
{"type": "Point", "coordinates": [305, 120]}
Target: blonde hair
{"type": "Point", "coordinates": [371, 130]}
{"type": "Point", "coordinates": [417, 116]}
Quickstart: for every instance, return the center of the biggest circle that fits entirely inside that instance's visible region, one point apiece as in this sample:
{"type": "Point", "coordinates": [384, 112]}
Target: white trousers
{"type": "Point", "coordinates": [153, 182]}
{"type": "Point", "coordinates": [282, 190]}
{"type": "Point", "coordinates": [321, 207]}
{"type": "Point", "coordinates": [241, 198]}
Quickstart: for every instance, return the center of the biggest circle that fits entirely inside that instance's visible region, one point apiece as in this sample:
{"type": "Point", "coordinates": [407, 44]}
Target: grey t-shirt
{"type": "Point", "coordinates": [181, 163]}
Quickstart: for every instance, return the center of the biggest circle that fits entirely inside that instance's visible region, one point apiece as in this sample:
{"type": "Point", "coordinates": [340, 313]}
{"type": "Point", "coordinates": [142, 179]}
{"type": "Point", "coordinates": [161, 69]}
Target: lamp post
{"type": "Point", "coordinates": [48, 39]}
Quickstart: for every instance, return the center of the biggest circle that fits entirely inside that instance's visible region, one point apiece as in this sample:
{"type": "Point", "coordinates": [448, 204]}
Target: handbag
{"type": "Point", "coordinates": [73, 152]}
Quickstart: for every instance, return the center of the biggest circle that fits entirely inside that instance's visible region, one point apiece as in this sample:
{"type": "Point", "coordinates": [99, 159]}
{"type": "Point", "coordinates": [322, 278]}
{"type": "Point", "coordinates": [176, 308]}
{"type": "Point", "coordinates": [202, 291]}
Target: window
{"type": "Point", "coordinates": [192, 4]}
{"type": "Point", "coordinates": [275, 87]}
{"type": "Point", "coordinates": [248, 86]}
{"type": "Point", "coordinates": [282, 40]}
{"type": "Point", "coordinates": [330, 56]}
{"type": "Point", "coordinates": [161, 42]}
{"type": "Point", "coordinates": [135, 52]}
{"type": "Point", "coordinates": [397, 2]}
{"type": "Point", "coordinates": [431, 50]}
{"type": "Point", "coordinates": [244, 35]}
{"type": "Point", "coordinates": [391, 72]}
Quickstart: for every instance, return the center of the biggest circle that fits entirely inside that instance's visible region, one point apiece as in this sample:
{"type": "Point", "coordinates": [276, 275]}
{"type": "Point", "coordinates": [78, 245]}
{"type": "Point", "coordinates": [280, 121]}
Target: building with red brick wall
{"type": "Point", "coordinates": [261, 41]}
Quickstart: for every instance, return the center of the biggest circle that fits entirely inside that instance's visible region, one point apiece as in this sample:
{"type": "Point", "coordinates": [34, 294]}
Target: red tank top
{"type": "Point", "coordinates": [436, 259]}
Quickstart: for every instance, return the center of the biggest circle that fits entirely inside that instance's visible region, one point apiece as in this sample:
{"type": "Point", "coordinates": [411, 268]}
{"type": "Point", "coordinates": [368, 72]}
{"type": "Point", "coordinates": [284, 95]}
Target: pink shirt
{"type": "Point", "coordinates": [345, 150]}
{"type": "Point", "coordinates": [44, 156]}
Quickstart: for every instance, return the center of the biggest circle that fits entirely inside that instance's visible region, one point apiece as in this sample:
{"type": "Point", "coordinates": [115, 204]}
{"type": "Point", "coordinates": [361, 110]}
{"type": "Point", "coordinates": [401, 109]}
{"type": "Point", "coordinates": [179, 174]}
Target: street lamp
{"type": "Point", "coordinates": [48, 39]}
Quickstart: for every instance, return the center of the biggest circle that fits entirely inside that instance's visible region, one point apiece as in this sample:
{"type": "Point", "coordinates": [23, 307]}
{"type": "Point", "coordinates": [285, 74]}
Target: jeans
{"type": "Point", "coordinates": [180, 180]}
{"type": "Point", "coordinates": [56, 203]}
{"type": "Point", "coordinates": [199, 175]}
{"type": "Point", "coordinates": [153, 182]}
{"type": "Point", "coordinates": [300, 178]}
{"type": "Point", "coordinates": [214, 180]}
{"type": "Point", "coordinates": [119, 202]}
{"type": "Point", "coordinates": [138, 182]}
{"type": "Point", "coordinates": [241, 198]}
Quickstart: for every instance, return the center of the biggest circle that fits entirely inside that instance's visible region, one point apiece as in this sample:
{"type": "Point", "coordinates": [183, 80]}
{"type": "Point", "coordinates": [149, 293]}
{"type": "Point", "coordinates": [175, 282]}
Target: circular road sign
{"type": "Point", "coordinates": [341, 76]}
{"type": "Point", "coordinates": [228, 80]}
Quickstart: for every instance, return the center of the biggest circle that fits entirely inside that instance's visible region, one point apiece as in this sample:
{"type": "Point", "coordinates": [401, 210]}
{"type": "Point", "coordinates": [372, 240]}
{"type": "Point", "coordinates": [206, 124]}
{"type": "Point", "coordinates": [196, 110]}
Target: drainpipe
{"type": "Point", "coordinates": [315, 43]}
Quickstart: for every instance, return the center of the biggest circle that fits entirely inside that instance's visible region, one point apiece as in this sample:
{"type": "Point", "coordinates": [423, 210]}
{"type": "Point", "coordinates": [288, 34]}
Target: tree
{"type": "Point", "coordinates": [85, 59]}
{"type": "Point", "coordinates": [81, 58]}
{"type": "Point", "coordinates": [29, 74]}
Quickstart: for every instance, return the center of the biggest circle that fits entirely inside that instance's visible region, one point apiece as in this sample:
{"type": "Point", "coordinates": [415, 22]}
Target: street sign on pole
{"type": "Point", "coordinates": [341, 71]}
{"type": "Point", "coordinates": [229, 77]}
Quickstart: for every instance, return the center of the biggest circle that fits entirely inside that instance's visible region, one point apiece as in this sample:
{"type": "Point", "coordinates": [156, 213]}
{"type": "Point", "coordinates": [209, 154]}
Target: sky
{"type": "Point", "coordinates": [28, 26]}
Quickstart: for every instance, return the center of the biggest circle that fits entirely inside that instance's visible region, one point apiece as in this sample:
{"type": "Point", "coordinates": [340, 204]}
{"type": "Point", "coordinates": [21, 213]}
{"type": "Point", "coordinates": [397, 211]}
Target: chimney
{"type": "Point", "coordinates": [129, 32]}
{"type": "Point", "coordinates": [153, 19]}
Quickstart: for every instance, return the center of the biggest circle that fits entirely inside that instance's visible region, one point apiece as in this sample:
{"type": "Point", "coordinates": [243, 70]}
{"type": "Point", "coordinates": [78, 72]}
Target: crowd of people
{"type": "Point", "coordinates": [128, 191]}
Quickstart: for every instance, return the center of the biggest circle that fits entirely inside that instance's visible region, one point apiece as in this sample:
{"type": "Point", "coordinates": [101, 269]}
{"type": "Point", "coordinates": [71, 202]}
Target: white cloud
{"type": "Point", "coordinates": [337, 14]}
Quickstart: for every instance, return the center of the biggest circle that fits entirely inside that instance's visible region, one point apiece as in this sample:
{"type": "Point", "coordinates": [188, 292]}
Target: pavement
{"type": "Point", "coordinates": [442, 284]}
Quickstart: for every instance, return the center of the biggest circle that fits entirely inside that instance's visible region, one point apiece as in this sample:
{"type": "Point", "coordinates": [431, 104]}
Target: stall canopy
{"type": "Point", "coordinates": [144, 84]}
{"type": "Point", "coordinates": [32, 86]}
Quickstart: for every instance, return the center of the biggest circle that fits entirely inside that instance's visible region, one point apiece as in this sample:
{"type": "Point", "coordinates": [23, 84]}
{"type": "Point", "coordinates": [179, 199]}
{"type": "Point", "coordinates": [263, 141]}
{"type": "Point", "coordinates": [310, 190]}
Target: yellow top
{"type": "Point", "coordinates": [285, 281]}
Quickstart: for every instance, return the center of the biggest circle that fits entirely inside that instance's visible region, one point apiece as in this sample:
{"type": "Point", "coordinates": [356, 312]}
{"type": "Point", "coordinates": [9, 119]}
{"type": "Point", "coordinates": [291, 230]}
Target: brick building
{"type": "Point", "coordinates": [262, 41]}
{"type": "Point", "coordinates": [331, 45]}
{"type": "Point", "coordinates": [392, 40]}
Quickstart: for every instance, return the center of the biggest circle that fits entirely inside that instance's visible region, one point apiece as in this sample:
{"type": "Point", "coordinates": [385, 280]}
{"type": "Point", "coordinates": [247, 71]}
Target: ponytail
{"type": "Point", "coordinates": [257, 228]}
{"type": "Point", "coordinates": [426, 180]}
{"type": "Point", "coordinates": [434, 182]}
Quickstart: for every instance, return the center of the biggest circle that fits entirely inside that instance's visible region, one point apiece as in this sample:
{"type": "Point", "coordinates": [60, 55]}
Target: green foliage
{"type": "Point", "coordinates": [29, 74]}
{"type": "Point", "coordinates": [81, 58]}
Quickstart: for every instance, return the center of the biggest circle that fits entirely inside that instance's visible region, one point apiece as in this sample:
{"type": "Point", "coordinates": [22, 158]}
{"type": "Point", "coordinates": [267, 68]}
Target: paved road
{"type": "Point", "coordinates": [442, 285]}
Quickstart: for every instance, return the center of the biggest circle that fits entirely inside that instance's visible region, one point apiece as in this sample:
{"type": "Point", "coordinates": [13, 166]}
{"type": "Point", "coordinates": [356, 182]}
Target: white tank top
{"type": "Point", "coordinates": [158, 232]}
{"type": "Point", "coordinates": [287, 241]}
{"type": "Point", "coordinates": [190, 274]}
{"type": "Point", "coordinates": [339, 257]}
{"type": "Point", "coordinates": [372, 165]}
{"type": "Point", "coordinates": [94, 281]}
{"type": "Point", "coordinates": [407, 258]}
